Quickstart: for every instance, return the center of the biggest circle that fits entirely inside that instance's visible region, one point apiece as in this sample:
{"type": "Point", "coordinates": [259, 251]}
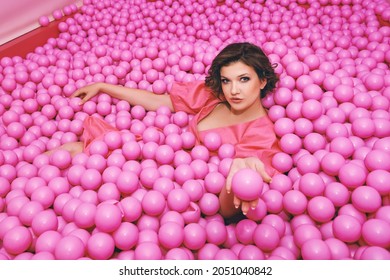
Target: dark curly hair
{"type": "Point", "coordinates": [249, 54]}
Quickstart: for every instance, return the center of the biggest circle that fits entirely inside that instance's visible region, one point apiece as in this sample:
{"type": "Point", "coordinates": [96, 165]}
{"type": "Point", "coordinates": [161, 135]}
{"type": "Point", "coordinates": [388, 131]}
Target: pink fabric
{"type": "Point", "coordinates": [253, 138]}
{"type": "Point", "coordinates": [94, 129]}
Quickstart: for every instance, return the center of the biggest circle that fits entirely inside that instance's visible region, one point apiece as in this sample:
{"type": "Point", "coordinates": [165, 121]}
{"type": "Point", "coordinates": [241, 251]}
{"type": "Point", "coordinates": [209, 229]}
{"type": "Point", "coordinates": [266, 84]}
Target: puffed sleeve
{"type": "Point", "coordinates": [191, 97]}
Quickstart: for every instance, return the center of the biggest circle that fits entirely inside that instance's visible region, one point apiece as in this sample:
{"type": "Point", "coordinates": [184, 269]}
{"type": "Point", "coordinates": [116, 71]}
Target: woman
{"type": "Point", "coordinates": [227, 102]}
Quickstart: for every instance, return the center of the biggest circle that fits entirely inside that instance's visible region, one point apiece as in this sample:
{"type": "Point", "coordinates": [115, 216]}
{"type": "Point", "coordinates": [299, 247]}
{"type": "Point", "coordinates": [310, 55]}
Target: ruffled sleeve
{"type": "Point", "coordinates": [191, 97]}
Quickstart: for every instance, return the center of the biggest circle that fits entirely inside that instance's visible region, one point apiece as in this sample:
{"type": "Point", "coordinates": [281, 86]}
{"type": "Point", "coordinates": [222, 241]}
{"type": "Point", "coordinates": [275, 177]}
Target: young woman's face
{"type": "Point", "coordinates": [241, 87]}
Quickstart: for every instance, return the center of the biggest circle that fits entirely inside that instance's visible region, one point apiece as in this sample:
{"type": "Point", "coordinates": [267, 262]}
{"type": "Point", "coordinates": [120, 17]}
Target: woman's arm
{"type": "Point", "coordinates": [144, 98]}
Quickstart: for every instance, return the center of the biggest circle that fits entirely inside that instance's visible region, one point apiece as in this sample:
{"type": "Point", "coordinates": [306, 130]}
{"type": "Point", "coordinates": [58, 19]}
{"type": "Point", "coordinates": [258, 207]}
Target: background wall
{"type": "Point", "coordinates": [18, 17]}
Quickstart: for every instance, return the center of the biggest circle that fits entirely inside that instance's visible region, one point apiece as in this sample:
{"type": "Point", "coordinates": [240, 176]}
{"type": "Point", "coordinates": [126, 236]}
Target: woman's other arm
{"type": "Point", "coordinates": [144, 98]}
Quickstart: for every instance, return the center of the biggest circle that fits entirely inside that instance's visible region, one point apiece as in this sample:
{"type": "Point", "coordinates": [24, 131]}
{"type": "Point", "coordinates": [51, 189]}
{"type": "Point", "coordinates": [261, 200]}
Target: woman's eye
{"type": "Point", "coordinates": [224, 81]}
{"type": "Point", "coordinates": [244, 79]}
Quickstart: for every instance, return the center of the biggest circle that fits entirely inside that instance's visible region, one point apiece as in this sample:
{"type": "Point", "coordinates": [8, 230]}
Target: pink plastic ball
{"type": "Point", "coordinates": [216, 232]}
{"type": "Point", "coordinates": [366, 199]}
{"type": "Point", "coordinates": [331, 163]}
{"type": "Point", "coordinates": [352, 175]}
{"type": "Point", "coordinates": [315, 249]}
{"type": "Point", "coordinates": [178, 200]}
{"type": "Point", "coordinates": [61, 158]}
{"type": "Point", "coordinates": [281, 183]}
{"type": "Point", "coordinates": [266, 237]}
{"type": "Point", "coordinates": [343, 146]}
{"type": "Point", "coordinates": [290, 143]}
{"type": "Point", "coordinates": [363, 127]}
{"type": "Point", "coordinates": [178, 254]}
{"type": "Point", "coordinates": [314, 142]}
{"type": "Point", "coordinates": [153, 203]}
{"type": "Point", "coordinates": [47, 241]}
{"type": "Point", "coordinates": [247, 184]}
{"type": "Point", "coordinates": [28, 212]}
{"type": "Point", "coordinates": [194, 236]}
{"type": "Point", "coordinates": [84, 215]}
{"type": "Point", "coordinates": [214, 182]}
{"type": "Point", "coordinates": [338, 249]}
{"type": "Point", "coordinates": [294, 202]}
{"type": "Point", "coordinates": [200, 168]}
{"type": "Point", "coordinates": [375, 253]}
{"type": "Point", "coordinates": [69, 248]}
{"type": "Point", "coordinates": [44, 221]}
{"type": "Point", "coordinates": [212, 141]}
{"type": "Point", "coordinates": [113, 140]}
{"type": "Point", "coordinates": [126, 236]}
{"type": "Point", "coordinates": [277, 222]}
{"type": "Point", "coordinates": [108, 217]}
{"type": "Point", "coordinates": [148, 251]}
{"type": "Point", "coordinates": [338, 194]}
{"type": "Point", "coordinates": [171, 235]}
{"type": "Point", "coordinates": [304, 233]}
{"type": "Point", "coordinates": [308, 164]}
{"type": "Point", "coordinates": [311, 109]}
{"type": "Point", "coordinates": [208, 252]}
{"type": "Point", "coordinates": [100, 246]}
{"type": "Point", "coordinates": [44, 20]}
{"type": "Point", "coordinates": [343, 93]}
{"type": "Point", "coordinates": [91, 179]}
{"type": "Point", "coordinates": [96, 162]}
{"type": "Point", "coordinates": [295, 69]}
{"type": "Point", "coordinates": [376, 159]}
{"type": "Point", "coordinates": [311, 184]}
{"type": "Point", "coordinates": [165, 154]}
{"type": "Point", "coordinates": [283, 162]}
{"type": "Point", "coordinates": [182, 173]}
{"type": "Point", "coordinates": [225, 254]}
{"type": "Point", "coordinates": [375, 233]}
{"type": "Point", "coordinates": [347, 228]}
{"type": "Point", "coordinates": [131, 208]}
{"type": "Point", "coordinates": [251, 252]}
{"type": "Point", "coordinates": [17, 240]}
{"type": "Point", "coordinates": [321, 209]}
{"type": "Point", "coordinates": [378, 180]}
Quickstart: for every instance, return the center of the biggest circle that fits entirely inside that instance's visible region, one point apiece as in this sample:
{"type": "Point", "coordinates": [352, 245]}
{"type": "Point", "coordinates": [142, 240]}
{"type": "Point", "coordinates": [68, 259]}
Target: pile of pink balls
{"type": "Point", "coordinates": [148, 191]}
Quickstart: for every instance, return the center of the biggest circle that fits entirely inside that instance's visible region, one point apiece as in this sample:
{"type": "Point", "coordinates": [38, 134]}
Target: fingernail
{"type": "Point", "coordinates": [236, 206]}
{"type": "Point", "coordinates": [244, 213]}
{"type": "Point", "coordinates": [253, 207]}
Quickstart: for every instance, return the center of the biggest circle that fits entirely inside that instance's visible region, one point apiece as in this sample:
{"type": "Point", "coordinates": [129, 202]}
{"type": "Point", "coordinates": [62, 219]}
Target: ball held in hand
{"type": "Point", "coordinates": [247, 184]}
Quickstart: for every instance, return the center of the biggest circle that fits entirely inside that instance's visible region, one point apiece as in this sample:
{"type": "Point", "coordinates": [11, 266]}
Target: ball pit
{"type": "Point", "coordinates": [147, 191]}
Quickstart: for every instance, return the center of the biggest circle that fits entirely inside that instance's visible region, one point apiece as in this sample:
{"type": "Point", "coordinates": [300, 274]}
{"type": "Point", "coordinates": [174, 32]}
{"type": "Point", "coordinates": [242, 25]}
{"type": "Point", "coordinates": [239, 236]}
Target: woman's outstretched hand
{"type": "Point", "coordinates": [238, 164]}
{"type": "Point", "coordinates": [86, 93]}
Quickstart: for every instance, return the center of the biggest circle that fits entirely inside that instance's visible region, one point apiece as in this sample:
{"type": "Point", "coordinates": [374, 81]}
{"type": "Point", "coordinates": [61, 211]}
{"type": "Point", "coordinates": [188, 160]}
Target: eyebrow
{"type": "Point", "coordinates": [239, 76]}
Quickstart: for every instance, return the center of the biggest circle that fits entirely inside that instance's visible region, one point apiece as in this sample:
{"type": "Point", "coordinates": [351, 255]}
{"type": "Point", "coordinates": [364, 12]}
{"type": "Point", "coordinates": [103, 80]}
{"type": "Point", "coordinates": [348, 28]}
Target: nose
{"type": "Point", "coordinates": [234, 90]}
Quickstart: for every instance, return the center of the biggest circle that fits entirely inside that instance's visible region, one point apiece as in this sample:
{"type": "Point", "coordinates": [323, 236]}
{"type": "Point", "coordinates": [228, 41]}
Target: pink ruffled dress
{"type": "Point", "coordinates": [253, 138]}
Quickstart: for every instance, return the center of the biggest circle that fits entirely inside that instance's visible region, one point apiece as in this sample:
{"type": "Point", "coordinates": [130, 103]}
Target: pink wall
{"type": "Point", "coordinates": [18, 17]}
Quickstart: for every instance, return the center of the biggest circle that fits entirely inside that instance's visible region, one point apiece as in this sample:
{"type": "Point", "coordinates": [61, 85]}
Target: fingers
{"type": "Point", "coordinates": [236, 165]}
{"type": "Point", "coordinates": [254, 203]}
{"type": "Point", "coordinates": [263, 173]}
{"type": "Point", "coordinates": [228, 183]}
{"type": "Point", "coordinates": [236, 202]}
{"type": "Point", "coordinates": [77, 93]}
{"type": "Point", "coordinates": [245, 207]}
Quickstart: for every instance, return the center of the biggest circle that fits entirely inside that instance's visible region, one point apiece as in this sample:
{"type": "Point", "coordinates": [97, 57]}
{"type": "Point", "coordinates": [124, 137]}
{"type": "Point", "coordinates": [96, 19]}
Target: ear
{"type": "Point", "coordinates": [263, 83]}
